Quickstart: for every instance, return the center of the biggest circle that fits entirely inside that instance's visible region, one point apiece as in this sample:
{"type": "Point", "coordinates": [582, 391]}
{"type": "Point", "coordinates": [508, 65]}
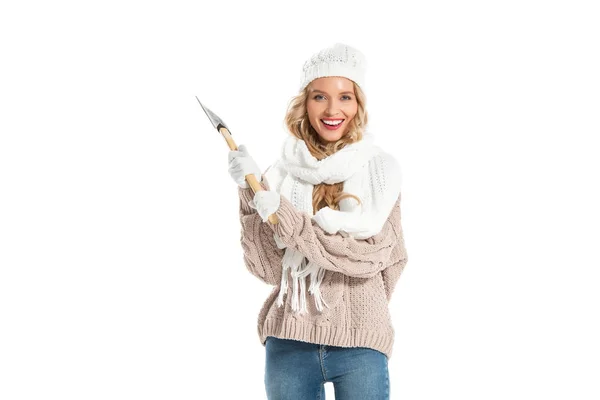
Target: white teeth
{"type": "Point", "coordinates": [337, 122]}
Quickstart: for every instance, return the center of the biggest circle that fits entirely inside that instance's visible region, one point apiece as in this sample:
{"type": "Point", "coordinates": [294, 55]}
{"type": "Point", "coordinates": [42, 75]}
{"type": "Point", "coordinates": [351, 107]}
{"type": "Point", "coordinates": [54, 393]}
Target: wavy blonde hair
{"type": "Point", "coordinates": [297, 122]}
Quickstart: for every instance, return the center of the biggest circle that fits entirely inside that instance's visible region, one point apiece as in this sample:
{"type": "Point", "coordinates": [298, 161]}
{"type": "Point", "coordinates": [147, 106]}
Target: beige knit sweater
{"type": "Point", "coordinates": [358, 284]}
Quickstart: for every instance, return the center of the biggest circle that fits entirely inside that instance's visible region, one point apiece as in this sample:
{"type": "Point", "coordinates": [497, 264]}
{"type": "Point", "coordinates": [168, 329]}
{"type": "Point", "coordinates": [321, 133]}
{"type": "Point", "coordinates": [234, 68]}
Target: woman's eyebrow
{"type": "Point", "coordinates": [320, 91]}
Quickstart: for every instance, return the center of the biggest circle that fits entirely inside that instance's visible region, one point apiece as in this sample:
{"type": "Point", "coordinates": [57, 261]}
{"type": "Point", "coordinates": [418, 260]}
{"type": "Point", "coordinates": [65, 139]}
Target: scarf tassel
{"type": "Point", "coordinates": [296, 263]}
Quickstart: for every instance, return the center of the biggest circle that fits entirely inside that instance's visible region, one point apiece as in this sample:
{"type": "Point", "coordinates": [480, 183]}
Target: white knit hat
{"type": "Point", "coordinates": [338, 60]}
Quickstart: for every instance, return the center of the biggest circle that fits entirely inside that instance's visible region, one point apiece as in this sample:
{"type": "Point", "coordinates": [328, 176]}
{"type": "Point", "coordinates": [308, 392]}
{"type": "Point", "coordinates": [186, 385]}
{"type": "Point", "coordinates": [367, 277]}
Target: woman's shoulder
{"type": "Point", "coordinates": [380, 185]}
{"type": "Point", "coordinates": [274, 175]}
{"type": "Point", "coordinates": [385, 176]}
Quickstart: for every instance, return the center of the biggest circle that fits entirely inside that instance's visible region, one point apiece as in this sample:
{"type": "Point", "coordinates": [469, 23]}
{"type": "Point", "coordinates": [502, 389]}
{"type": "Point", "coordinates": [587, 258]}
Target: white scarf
{"type": "Point", "coordinates": [303, 172]}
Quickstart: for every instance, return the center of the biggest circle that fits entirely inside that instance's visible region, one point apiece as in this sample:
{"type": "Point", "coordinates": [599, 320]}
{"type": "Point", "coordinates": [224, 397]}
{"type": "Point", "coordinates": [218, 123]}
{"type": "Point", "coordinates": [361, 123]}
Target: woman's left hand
{"type": "Point", "coordinates": [330, 220]}
{"type": "Point", "coordinates": [333, 221]}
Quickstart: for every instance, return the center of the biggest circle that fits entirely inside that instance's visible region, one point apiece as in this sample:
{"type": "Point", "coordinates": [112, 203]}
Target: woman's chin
{"type": "Point", "coordinates": [328, 137]}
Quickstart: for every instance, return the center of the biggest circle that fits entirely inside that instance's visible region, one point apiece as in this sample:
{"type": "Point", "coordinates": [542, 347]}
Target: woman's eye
{"type": "Point", "coordinates": [319, 96]}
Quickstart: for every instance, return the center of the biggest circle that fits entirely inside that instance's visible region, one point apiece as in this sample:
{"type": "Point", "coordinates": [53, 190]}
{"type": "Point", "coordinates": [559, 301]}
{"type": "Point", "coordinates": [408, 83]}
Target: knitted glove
{"type": "Point", "coordinates": [266, 202]}
{"type": "Point", "coordinates": [242, 164]}
{"type": "Point", "coordinates": [332, 221]}
{"type": "Point", "coordinates": [328, 219]}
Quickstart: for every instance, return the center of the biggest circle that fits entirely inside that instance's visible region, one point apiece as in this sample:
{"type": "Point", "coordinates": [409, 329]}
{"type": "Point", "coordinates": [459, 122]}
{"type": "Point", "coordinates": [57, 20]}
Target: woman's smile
{"type": "Point", "coordinates": [332, 124]}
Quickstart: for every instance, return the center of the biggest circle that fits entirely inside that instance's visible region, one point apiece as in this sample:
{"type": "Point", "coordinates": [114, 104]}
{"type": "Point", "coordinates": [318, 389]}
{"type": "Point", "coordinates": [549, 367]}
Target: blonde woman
{"type": "Point", "coordinates": [336, 253]}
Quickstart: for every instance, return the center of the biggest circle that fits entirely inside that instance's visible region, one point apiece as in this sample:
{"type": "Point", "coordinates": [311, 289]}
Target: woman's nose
{"type": "Point", "coordinates": [332, 108]}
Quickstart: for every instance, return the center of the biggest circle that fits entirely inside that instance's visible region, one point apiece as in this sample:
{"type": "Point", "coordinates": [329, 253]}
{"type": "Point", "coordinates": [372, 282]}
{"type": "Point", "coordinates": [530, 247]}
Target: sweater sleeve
{"type": "Point", "coordinates": [262, 257]}
{"type": "Point", "coordinates": [363, 258]}
{"type": "Point", "coordinates": [398, 261]}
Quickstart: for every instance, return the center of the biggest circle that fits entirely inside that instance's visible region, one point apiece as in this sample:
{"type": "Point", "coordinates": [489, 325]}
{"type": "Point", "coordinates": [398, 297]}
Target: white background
{"type": "Point", "coordinates": [121, 270]}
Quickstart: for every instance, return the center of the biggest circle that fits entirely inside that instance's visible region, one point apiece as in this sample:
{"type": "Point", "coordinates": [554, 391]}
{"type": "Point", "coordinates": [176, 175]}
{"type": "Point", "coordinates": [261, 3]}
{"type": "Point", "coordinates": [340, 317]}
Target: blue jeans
{"type": "Point", "coordinates": [296, 370]}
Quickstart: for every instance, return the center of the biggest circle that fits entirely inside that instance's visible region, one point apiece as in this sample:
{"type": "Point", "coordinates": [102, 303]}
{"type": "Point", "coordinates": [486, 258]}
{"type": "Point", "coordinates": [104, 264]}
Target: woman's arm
{"type": "Point", "coordinates": [398, 261]}
{"type": "Point", "coordinates": [362, 258]}
{"type": "Point", "coordinates": [261, 254]}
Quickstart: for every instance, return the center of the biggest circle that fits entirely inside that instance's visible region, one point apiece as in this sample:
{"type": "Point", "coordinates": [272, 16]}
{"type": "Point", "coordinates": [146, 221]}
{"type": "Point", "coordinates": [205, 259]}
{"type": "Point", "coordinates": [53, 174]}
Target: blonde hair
{"type": "Point", "coordinates": [297, 122]}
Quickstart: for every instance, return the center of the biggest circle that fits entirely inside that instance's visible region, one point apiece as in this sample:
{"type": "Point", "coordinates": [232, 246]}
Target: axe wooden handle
{"type": "Point", "coordinates": [250, 178]}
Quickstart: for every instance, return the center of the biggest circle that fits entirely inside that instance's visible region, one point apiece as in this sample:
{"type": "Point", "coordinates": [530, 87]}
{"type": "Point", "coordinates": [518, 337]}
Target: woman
{"type": "Point", "coordinates": [337, 199]}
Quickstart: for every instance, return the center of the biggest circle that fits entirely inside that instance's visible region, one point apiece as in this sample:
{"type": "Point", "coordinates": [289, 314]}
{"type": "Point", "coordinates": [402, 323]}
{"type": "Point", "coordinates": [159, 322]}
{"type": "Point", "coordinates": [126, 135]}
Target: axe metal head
{"type": "Point", "coordinates": [214, 118]}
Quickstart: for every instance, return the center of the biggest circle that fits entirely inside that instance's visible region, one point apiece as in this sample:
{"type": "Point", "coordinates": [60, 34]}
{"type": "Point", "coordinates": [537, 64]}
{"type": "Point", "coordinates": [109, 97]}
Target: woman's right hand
{"type": "Point", "coordinates": [242, 164]}
{"type": "Point", "coordinates": [266, 202]}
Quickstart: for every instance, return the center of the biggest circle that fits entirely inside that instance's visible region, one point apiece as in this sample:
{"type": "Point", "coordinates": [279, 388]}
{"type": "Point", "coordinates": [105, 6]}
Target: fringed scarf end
{"type": "Point", "coordinates": [299, 268]}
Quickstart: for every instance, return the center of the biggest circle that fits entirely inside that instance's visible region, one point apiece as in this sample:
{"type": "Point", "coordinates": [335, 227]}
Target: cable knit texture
{"type": "Point", "coordinates": [360, 276]}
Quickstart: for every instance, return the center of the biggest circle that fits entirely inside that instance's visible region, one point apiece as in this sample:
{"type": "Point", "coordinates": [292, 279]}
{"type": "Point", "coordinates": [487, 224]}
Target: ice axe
{"type": "Point", "coordinates": [222, 128]}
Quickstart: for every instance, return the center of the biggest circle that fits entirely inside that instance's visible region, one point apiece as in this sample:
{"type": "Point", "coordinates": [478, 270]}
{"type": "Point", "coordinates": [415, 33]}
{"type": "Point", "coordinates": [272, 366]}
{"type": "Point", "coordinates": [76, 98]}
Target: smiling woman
{"type": "Point", "coordinates": [331, 106]}
{"type": "Point", "coordinates": [339, 240]}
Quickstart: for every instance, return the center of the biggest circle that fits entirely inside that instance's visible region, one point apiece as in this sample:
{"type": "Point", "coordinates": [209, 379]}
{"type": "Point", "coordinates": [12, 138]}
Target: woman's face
{"type": "Point", "coordinates": [332, 99]}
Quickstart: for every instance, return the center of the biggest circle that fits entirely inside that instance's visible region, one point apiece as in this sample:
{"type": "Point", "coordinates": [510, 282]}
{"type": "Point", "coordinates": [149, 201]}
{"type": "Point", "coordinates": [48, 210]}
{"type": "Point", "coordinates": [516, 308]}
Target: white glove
{"type": "Point", "coordinates": [328, 219]}
{"type": "Point", "coordinates": [266, 202]}
{"type": "Point", "coordinates": [332, 221]}
{"type": "Point", "coordinates": [242, 164]}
